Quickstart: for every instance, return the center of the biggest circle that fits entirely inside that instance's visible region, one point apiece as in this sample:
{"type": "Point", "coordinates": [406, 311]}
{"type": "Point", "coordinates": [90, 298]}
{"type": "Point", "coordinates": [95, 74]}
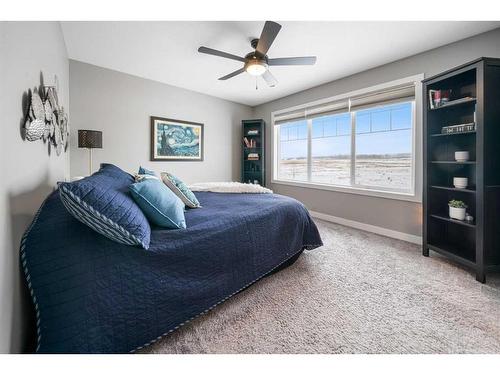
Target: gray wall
{"type": "Point", "coordinates": [391, 214]}
{"type": "Point", "coordinates": [120, 105]}
{"type": "Point", "coordinates": [28, 50]}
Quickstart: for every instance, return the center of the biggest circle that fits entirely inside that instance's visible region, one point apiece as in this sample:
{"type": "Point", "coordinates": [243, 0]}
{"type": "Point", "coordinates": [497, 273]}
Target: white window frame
{"type": "Point", "coordinates": [415, 194]}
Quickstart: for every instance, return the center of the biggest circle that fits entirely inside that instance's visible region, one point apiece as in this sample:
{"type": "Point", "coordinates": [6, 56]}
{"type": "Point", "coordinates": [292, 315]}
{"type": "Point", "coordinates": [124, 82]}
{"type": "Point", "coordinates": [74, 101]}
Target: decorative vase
{"type": "Point", "coordinates": [460, 182]}
{"type": "Point", "coordinates": [462, 156]}
{"type": "Point", "coordinates": [457, 213]}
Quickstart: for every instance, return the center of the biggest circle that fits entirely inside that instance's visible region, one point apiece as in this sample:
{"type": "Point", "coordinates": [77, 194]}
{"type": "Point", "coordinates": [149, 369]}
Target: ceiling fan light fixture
{"type": "Point", "coordinates": [255, 67]}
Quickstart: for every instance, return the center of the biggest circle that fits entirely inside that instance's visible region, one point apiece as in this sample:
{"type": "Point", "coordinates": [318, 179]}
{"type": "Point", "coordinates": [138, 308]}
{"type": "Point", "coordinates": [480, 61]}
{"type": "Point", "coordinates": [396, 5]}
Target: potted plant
{"type": "Point", "coordinates": [457, 209]}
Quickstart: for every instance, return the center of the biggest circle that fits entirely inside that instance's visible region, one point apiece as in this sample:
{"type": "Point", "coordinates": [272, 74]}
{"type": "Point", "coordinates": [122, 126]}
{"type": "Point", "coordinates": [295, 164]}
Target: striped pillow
{"type": "Point", "coordinates": [102, 202]}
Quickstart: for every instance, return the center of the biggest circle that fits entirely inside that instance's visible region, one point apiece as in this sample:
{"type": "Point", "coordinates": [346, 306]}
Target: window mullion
{"type": "Point", "coordinates": [353, 148]}
{"type": "Point", "coordinates": [277, 155]}
{"type": "Point", "coordinates": [309, 149]}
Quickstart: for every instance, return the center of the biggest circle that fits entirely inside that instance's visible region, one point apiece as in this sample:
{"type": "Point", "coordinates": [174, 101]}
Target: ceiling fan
{"type": "Point", "coordinates": [257, 63]}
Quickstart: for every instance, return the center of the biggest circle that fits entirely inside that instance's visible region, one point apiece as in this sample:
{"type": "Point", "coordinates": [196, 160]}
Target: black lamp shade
{"type": "Point", "coordinates": [89, 139]}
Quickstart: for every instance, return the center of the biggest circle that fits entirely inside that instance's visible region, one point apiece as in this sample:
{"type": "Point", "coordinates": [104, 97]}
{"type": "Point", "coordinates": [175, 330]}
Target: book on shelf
{"type": "Point", "coordinates": [253, 132]}
{"type": "Point", "coordinates": [250, 143]}
{"type": "Point", "coordinates": [459, 128]}
{"type": "Point", "coordinates": [253, 156]}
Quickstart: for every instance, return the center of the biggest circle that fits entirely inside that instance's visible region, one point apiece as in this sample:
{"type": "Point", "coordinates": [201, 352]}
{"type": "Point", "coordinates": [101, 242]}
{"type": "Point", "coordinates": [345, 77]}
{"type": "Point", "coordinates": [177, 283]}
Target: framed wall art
{"type": "Point", "coordinates": [176, 140]}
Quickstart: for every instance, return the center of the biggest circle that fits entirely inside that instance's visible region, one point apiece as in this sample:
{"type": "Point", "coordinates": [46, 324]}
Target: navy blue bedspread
{"type": "Point", "coordinates": [93, 295]}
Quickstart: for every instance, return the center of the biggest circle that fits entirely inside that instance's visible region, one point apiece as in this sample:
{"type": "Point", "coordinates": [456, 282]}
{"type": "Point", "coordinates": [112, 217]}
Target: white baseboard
{"type": "Point", "coordinates": [368, 227]}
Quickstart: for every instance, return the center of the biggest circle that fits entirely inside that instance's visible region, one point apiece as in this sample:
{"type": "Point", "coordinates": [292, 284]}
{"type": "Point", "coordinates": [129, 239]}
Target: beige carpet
{"type": "Point", "coordinates": [359, 293]}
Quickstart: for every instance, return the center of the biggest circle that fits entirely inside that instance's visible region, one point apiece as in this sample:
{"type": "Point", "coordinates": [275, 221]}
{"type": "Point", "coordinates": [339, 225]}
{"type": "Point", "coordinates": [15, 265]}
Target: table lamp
{"type": "Point", "coordinates": [89, 139]}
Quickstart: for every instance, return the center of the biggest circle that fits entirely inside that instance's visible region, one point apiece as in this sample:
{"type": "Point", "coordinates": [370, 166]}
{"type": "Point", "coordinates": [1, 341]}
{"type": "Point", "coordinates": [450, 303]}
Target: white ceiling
{"type": "Point", "coordinates": [167, 51]}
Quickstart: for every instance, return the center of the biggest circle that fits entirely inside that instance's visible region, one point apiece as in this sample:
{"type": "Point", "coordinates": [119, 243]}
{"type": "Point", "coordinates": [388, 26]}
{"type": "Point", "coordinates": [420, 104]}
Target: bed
{"type": "Point", "coordinates": [93, 295]}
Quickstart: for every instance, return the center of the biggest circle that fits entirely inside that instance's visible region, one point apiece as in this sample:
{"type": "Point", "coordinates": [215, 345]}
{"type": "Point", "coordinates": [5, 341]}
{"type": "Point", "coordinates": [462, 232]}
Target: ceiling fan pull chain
{"type": "Point", "coordinates": [256, 84]}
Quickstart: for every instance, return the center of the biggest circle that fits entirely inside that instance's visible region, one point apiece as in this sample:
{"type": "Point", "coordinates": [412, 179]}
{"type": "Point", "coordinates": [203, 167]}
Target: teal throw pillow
{"type": "Point", "coordinates": [158, 203]}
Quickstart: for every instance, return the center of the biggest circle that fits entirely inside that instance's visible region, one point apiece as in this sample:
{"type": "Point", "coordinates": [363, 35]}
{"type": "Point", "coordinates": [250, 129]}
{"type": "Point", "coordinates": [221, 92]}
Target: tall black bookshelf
{"type": "Point", "coordinates": [474, 99]}
{"type": "Point", "coordinates": [253, 159]}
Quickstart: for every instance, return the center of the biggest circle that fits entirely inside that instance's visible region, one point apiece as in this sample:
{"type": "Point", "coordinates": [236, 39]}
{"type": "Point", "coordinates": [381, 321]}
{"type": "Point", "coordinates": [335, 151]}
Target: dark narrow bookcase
{"type": "Point", "coordinates": [254, 171]}
{"type": "Point", "coordinates": [474, 98]}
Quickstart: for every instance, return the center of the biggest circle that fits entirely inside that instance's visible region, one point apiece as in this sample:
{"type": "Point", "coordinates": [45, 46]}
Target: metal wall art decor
{"type": "Point", "coordinates": [46, 119]}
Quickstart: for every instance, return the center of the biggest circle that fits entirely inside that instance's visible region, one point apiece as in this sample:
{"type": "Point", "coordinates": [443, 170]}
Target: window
{"type": "Point", "coordinates": [364, 142]}
{"type": "Point", "coordinates": [384, 147]}
{"type": "Point", "coordinates": [293, 151]}
{"type": "Point", "coordinates": [331, 149]}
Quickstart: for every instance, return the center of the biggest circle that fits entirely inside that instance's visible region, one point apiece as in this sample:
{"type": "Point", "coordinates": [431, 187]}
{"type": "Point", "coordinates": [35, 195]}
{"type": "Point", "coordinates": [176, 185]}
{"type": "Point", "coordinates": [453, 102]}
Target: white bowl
{"type": "Point", "coordinates": [462, 155]}
{"type": "Point", "coordinates": [460, 182]}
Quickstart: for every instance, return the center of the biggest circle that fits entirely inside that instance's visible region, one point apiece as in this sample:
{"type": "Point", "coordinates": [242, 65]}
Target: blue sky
{"type": "Point", "coordinates": [331, 135]}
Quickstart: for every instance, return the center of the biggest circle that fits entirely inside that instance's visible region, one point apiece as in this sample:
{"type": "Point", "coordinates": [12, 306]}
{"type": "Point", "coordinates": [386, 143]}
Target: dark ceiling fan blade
{"type": "Point", "coordinates": [269, 32]}
{"type": "Point", "coordinates": [270, 79]}
{"type": "Point", "coordinates": [305, 60]}
{"type": "Point", "coordinates": [210, 51]}
{"type": "Point", "coordinates": [231, 75]}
